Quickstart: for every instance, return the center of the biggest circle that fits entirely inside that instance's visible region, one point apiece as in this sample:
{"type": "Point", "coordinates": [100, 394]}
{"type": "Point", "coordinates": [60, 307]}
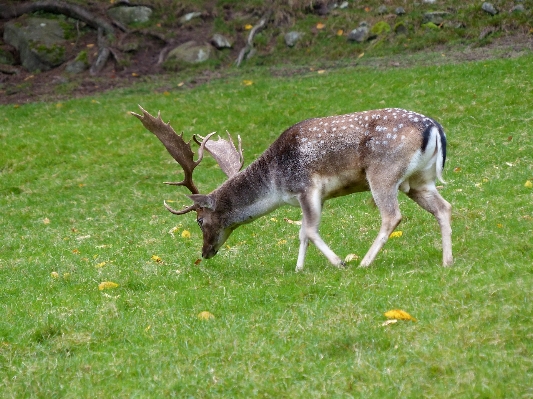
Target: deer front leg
{"type": "Point", "coordinates": [386, 200]}
{"type": "Point", "coordinates": [311, 204]}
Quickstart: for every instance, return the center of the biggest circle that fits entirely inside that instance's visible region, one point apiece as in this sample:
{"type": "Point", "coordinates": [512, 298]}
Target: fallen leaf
{"type": "Point", "coordinates": [340, 32]}
{"type": "Point", "coordinates": [134, 74]}
{"type": "Point", "coordinates": [351, 257]}
{"type": "Point", "coordinates": [499, 225]}
{"type": "Point", "coordinates": [392, 321]}
{"type": "Point", "coordinates": [360, 55]}
{"type": "Point", "coordinates": [54, 274]}
{"type": "Point", "coordinates": [296, 222]}
{"type": "Point", "coordinates": [247, 82]}
{"type": "Point", "coordinates": [186, 234]}
{"type": "Point", "coordinates": [101, 264]}
{"type": "Point", "coordinates": [528, 184]}
{"type": "Point", "coordinates": [320, 25]}
{"type": "Point", "coordinates": [46, 221]}
{"type": "Point", "coordinates": [248, 26]}
{"type": "Point", "coordinates": [181, 84]}
{"type": "Point", "coordinates": [105, 285]}
{"type": "Point", "coordinates": [321, 71]}
{"type": "Point", "coordinates": [90, 45]}
{"type": "Point", "coordinates": [197, 261]}
{"type": "Point", "coordinates": [398, 314]}
{"type": "Point", "coordinates": [157, 259]}
{"type": "Point", "coordinates": [396, 234]}
{"type": "Point", "coordinates": [205, 315]}
{"type": "Point", "coordinates": [457, 170]}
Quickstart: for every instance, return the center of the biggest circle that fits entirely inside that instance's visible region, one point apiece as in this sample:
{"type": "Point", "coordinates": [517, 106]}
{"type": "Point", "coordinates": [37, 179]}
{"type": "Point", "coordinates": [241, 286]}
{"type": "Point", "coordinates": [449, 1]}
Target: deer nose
{"type": "Point", "coordinates": [209, 253]}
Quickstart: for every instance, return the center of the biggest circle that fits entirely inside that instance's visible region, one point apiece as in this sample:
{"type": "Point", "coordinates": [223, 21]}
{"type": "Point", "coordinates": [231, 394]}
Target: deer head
{"type": "Point", "coordinates": [226, 155]}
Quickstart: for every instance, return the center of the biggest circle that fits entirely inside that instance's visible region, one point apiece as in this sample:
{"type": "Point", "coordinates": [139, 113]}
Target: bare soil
{"type": "Point", "coordinates": [57, 84]}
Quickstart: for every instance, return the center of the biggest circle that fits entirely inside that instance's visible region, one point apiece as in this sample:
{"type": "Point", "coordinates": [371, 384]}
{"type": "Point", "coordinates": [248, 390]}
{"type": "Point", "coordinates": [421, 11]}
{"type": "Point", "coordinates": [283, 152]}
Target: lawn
{"type": "Point", "coordinates": [81, 199]}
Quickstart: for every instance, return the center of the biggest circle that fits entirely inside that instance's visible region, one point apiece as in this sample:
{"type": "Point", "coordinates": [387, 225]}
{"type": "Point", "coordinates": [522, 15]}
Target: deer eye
{"type": "Point", "coordinates": [200, 222]}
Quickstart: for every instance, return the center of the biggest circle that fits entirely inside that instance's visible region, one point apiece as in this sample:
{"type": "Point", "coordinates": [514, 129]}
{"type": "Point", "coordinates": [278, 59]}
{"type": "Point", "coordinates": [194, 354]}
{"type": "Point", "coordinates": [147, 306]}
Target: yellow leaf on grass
{"type": "Point", "coordinates": [399, 315]}
{"type": "Point", "coordinates": [46, 221]}
{"type": "Point", "coordinates": [101, 264]}
{"type": "Point", "coordinates": [247, 82]}
{"type": "Point", "coordinates": [186, 234]}
{"type": "Point", "coordinates": [320, 25]}
{"type": "Point", "coordinates": [54, 275]}
{"type": "Point", "coordinates": [205, 315]}
{"type": "Point", "coordinates": [396, 234]}
{"type": "Point", "coordinates": [528, 184]}
{"type": "Point", "coordinates": [248, 26]}
{"type": "Point", "coordinates": [340, 32]}
{"type": "Point", "coordinates": [157, 259]}
{"type": "Point", "coordinates": [105, 285]}
{"type": "Point", "coordinates": [350, 258]}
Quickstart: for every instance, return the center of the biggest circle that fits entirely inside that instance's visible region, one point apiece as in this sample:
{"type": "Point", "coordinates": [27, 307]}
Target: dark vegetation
{"type": "Point", "coordinates": [467, 32]}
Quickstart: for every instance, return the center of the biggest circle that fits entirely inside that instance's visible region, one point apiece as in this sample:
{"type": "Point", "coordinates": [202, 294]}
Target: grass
{"type": "Point", "coordinates": [81, 200]}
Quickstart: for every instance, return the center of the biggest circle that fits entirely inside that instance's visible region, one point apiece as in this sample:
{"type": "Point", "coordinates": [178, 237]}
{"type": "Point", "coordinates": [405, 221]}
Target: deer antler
{"type": "Point", "coordinates": [229, 159]}
{"type": "Point", "coordinates": [178, 149]}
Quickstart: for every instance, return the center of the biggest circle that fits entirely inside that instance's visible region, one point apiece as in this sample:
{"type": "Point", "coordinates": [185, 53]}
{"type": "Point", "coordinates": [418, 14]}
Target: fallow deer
{"type": "Point", "coordinates": [383, 151]}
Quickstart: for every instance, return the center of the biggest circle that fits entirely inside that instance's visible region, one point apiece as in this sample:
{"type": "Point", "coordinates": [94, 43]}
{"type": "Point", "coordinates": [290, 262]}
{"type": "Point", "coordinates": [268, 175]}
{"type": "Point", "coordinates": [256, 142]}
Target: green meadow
{"type": "Point", "coordinates": [81, 203]}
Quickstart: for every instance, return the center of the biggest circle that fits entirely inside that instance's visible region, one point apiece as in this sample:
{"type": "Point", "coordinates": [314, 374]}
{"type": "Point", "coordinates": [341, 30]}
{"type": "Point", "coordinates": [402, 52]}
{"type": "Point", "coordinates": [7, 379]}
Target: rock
{"type": "Point", "coordinates": [399, 11]}
{"type": "Point", "coordinates": [219, 41]}
{"type": "Point", "coordinates": [401, 29]}
{"type": "Point", "coordinates": [190, 16]}
{"type": "Point", "coordinates": [129, 15]}
{"type": "Point", "coordinates": [489, 8]}
{"type": "Point", "coordinates": [191, 52]}
{"type": "Point", "coordinates": [436, 17]}
{"type": "Point", "coordinates": [291, 38]}
{"type": "Point", "coordinates": [39, 41]}
{"type": "Point", "coordinates": [518, 8]}
{"type": "Point", "coordinates": [79, 64]}
{"type": "Point", "coordinates": [430, 1]}
{"type": "Point", "coordinates": [382, 10]}
{"type": "Point", "coordinates": [359, 34]}
{"type": "Point", "coordinates": [6, 57]}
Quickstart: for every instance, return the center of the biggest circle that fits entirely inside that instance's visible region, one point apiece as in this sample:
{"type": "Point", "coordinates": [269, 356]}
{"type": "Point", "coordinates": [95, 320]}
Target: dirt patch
{"type": "Point", "coordinates": [57, 84]}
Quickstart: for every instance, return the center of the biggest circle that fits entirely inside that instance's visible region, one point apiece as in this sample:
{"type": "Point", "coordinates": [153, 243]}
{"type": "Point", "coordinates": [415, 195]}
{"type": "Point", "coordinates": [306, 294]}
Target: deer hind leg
{"type": "Point", "coordinates": [429, 199]}
{"type": "Point", "coordinates": [386, 199]}
{"type": "Point", "coordinates": [311, 204]}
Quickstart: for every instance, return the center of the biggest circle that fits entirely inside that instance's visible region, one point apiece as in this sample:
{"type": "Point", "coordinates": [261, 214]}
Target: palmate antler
{"type": "Point", "coordinates": [223, 151]}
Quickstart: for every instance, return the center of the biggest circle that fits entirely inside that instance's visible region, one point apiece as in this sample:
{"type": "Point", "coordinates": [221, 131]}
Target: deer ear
{"type": "Point", "coordinates": [203, 201]}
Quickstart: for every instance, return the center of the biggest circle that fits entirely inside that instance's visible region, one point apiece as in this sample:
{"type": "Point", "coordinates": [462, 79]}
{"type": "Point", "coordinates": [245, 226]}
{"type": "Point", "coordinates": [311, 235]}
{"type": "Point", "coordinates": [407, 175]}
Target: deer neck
{"type": "Point", "coordinates": [248, 195]}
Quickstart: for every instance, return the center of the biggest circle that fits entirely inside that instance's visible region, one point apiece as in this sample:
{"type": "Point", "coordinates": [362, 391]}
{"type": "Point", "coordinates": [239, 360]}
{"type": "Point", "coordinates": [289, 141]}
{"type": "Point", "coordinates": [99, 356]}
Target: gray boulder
{"type": "Point", "coordinates": [191, 52]}
{"type": "Point", "coordinates": [130, 15]}
{"type": "Point", "coordinates": [6, 57]}
{"type": "Point", "coordinates": [220, 41]}
{"type": "Point", "coordinates": [399, 11]}
{"type": "Point", "coordinates": [436, 17]}
{"type": "Point", "coordinates": [291, 38]}
{"type": "Point", "coordinates": [79, 64]}
{"type": "Point", "coordinates": [190, 16]}
{"type": "Point", "coordinates": [489, 8]}
{"type": "Point", "coordinates": [360, 34]}
{"type": "Point", "coordinates": [39, 41]}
